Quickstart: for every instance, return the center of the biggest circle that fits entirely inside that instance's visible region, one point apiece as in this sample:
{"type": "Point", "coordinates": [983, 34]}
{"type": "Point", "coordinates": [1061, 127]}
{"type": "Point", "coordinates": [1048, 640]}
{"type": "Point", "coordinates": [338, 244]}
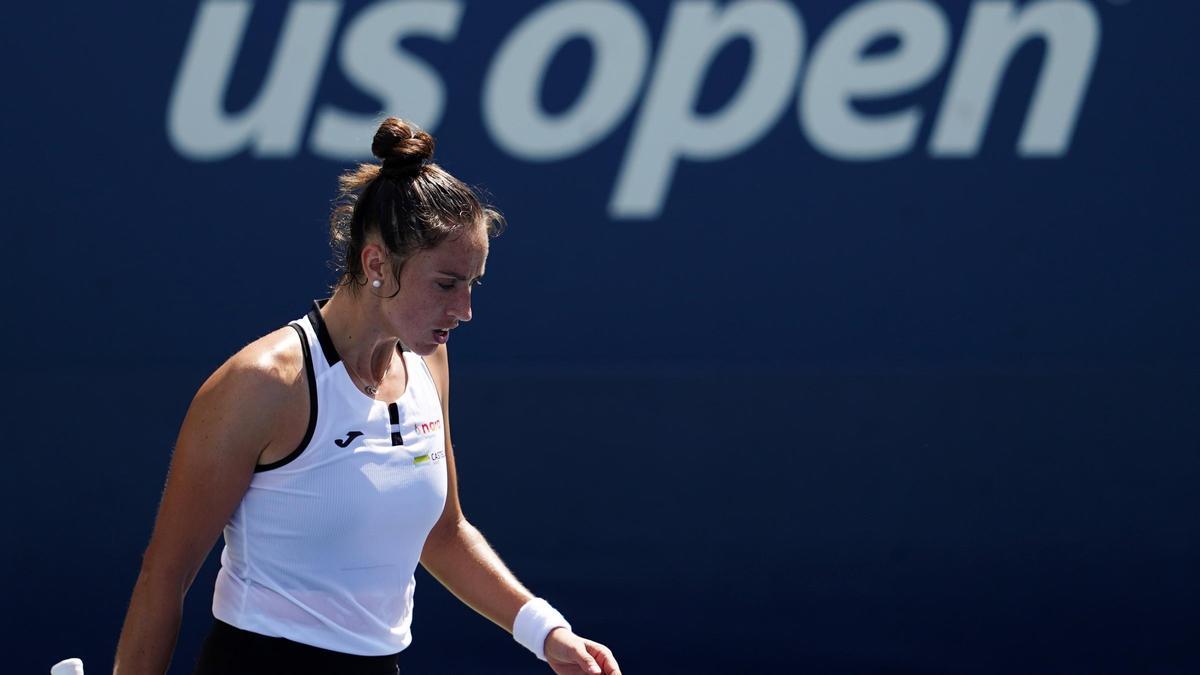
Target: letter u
{"type": "Point", "coordinates": [198, 125]}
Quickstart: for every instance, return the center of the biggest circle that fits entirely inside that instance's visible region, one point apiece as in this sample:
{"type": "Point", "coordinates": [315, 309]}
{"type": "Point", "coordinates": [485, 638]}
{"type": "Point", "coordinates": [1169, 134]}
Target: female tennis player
{"type": "Point", "coordinates": [323, 452]}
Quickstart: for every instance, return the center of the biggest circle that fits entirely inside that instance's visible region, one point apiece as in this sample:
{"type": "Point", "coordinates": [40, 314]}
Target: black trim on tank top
{"type": "Point", "coordinates": [312, 407]}
{"type": "Point", "coordinates": [394, 418]}
{"type": "Point", "coordinates": [318, 322]}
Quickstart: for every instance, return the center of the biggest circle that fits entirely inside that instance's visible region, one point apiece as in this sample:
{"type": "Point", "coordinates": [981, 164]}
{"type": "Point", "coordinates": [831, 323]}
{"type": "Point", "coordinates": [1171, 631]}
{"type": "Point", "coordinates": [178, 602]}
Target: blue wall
{"type": "Point", "coordinates": [824, 403]}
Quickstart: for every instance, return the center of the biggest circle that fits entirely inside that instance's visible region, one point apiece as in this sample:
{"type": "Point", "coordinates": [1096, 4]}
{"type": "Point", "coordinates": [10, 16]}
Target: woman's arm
{"type": "Point", "coordinates": [458, 556]}
{"type": "Point", "coordinates": [229, 423]}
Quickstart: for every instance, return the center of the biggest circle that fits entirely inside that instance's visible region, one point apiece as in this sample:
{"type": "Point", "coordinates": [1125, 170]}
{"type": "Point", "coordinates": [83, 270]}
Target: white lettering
{"type": "Point", "coordinates": [512, 109]}
{"type": "Point", "coordinates": [995, 29]}
{"type": "Point", "coordinates": [839, 72]}
{"type": "Point", "coordinates": [407, 87]}
{"type": "Point", "coordinates": [844, 71]}
{"type": "Point", "coordinates": [667, 128]}
{"type": "Point", "coordinates": [197, 123]}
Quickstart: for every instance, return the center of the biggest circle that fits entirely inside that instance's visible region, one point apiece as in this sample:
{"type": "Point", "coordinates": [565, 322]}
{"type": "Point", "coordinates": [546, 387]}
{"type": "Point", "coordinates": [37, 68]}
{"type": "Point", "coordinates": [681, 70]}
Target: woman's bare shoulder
{"type": "Point", "coordinates": [276, 356]}
{"type": "Point", "coordinates": [257, 398]}
{"type": "Point", "coordinates": [263, 372]}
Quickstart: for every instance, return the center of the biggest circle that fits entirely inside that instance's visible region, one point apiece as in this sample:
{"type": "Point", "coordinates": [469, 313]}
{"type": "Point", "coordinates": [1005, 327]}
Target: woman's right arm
{"type": "Point", "coordinates": [228, 425]}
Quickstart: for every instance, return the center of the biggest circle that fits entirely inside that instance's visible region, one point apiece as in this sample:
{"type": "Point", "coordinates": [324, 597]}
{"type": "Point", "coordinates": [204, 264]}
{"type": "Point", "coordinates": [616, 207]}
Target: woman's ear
{"type": "Point", "coordinates": [374, 263]}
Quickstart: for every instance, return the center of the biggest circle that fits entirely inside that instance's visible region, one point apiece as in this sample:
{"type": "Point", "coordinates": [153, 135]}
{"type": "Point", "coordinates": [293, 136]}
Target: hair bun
{"type": "Point", "coordinates": [402, 146]}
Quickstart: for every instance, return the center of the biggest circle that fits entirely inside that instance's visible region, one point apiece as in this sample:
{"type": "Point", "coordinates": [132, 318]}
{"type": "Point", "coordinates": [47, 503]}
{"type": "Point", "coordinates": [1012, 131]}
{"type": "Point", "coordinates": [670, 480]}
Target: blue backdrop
{"type": "Point", "coordinates": [842, 337]}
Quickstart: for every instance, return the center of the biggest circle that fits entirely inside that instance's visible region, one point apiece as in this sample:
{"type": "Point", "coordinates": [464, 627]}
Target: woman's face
{"type": "Point", "coordinates": [435, 291]}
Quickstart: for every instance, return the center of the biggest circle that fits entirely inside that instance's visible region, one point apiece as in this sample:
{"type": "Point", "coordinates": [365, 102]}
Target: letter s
{"type": "Point", "coordinates": [405, 85]}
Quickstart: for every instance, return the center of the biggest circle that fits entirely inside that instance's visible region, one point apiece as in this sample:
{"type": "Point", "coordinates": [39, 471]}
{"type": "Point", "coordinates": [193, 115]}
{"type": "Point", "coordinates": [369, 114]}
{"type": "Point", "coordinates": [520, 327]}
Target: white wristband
{"type": "Point", "coordinates": [534, 622]}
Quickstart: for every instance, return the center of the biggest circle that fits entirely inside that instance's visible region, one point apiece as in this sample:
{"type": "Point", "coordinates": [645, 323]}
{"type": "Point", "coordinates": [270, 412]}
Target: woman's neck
{"type": "Point", "coordinates": [353, 326]}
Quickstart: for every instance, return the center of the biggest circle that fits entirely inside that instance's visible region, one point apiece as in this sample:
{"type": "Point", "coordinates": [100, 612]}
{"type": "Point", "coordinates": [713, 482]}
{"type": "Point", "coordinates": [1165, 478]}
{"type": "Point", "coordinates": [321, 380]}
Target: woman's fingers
{"type": "Point", "coordinates": [604, 657]}
{"type": "Point", "coordinates": [569, 654]}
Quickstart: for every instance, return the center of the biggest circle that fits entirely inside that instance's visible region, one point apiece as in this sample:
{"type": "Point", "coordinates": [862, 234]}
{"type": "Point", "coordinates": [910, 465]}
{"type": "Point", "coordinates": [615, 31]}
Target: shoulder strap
{"type": "Point", "coordinates": [311, 376]}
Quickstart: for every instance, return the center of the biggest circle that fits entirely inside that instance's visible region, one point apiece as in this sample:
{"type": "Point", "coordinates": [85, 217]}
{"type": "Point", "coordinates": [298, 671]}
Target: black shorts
{"type": "Point", "coordinates": [233, 651]}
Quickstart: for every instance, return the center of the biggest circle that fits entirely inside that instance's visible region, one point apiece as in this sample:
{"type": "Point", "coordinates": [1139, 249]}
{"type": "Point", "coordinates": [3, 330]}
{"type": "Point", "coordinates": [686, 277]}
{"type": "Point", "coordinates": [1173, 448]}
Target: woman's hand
{"type": "Point", "coordinates": [569, 654]}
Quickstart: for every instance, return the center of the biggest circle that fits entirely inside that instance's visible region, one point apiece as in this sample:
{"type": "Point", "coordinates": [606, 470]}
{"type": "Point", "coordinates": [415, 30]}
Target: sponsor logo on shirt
{"type": "Point", "coordinates": [429, 458]}
{"type": "Point", "coordinates": [350, 436]}
{"type": "Point", "coordinates": [426, 428]}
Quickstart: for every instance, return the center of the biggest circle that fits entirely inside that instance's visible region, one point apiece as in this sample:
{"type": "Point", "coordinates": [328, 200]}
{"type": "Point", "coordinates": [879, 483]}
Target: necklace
{"type": "Point", "coordinates": [371, 389]}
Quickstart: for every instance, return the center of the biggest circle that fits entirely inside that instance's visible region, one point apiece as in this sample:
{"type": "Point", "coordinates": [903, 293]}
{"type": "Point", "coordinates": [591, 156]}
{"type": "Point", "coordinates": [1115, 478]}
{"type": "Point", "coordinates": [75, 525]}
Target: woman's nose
{"type": "Point", "coordinates": [461, 309]}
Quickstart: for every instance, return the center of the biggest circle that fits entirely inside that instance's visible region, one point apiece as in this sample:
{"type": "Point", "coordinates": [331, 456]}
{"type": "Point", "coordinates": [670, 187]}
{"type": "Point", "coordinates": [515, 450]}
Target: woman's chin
{"type": "Point", "coordinates": [424, 348]}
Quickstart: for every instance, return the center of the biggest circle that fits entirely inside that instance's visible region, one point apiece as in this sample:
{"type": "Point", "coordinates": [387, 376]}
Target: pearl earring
{"type": "Point", "coordinates": [377, 283]}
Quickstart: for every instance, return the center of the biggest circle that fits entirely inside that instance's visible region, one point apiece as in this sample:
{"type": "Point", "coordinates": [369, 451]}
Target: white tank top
{"type": "Point", "coordinates": [323, 547]}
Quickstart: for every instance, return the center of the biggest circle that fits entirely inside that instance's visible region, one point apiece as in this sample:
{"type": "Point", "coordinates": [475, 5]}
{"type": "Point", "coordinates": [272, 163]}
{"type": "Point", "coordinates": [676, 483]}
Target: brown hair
{"type": "Point", "coordinates": [411, 202]}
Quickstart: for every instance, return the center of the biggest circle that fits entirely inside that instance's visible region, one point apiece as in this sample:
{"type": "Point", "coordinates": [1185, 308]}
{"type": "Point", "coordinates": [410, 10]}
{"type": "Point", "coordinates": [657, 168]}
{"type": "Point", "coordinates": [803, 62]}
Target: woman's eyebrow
{"type": "Point", "coordinates": [459, 277]}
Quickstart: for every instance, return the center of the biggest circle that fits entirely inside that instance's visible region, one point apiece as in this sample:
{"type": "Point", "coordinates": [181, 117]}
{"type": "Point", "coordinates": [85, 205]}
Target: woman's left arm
{"type": "Point", "coordinates": [458, 556]}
